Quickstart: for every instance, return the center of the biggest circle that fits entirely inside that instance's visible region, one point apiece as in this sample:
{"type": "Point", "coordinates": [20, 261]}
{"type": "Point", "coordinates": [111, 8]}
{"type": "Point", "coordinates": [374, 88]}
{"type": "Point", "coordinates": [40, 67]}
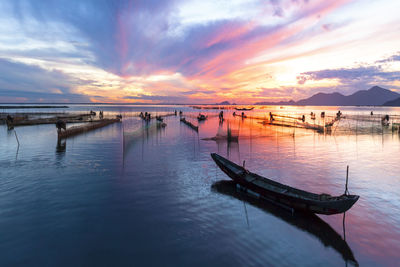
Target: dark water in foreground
{"type": "Point", "coordinates": [156, 200]}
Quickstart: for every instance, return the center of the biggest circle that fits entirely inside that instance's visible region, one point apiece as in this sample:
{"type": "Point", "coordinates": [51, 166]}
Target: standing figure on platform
{"type": "Point", "coordinates": [60, 124]}
{"type": "Point", "coordinates": [221, 116]}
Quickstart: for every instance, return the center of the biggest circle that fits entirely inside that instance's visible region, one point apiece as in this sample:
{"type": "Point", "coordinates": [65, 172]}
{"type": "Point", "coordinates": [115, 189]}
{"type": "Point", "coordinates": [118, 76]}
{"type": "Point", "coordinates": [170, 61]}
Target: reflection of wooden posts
{"type": "Point", "coordinates": [357, 126]}
{"type": "Point", "coordinates": [232, 137]}
{"type": "Point", "coordinates": [61, 145]}
{"type": "Point", "coordinates": [336, 126]}
{"type": "Point", "coordinates": [346, 191]}
{"type": "Point", "coordinates": [344, 228]}
{"type": "Point", "coordinates": [229, 132]}
{"type": "Point", "coordinates": [294, 127]}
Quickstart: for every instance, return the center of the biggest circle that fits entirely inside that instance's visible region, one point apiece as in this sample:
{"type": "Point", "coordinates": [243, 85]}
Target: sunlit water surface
{"type": "Point", "coordinates": [153, 200]}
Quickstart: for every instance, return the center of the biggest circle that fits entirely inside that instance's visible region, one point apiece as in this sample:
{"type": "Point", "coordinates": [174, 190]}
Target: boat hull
{"type": "Point", "coordinates": [277, 194]}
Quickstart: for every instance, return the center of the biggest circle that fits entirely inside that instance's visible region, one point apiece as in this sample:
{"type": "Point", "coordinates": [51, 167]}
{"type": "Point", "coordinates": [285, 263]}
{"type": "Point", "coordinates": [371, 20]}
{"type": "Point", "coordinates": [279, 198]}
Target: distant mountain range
{"type": "Point", "coordinates": [393, 103]}
{"type": "Point", "coordinates": [375, 96]}
{"type": "Point", "coordinates": [226, 103]}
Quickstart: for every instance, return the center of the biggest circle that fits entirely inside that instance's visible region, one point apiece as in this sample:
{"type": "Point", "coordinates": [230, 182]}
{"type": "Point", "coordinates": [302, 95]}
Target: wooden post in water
{"type": "Point", "coordinates": [16, 137]}
{"type": "Point", "coordinates": [346, 191]}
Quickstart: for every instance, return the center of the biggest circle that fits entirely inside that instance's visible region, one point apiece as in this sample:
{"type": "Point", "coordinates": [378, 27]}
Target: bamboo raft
{"type": "Point", "coordinates": [75, 130]}
{"type": "Point", "coordinates": [24, 121]}
{"type": "Point", "coordinates": [295, 124]}
{"type": "Point", "coordinates": [191, 125]}
{"type": "Point", "coordinates": [212, 107]}
{"type": "Point", "coordinates": [249, 117]}
{"type": "Point", "coordinates": [153, 117]}
{"type": "Point", "coordinates": [316, 127]}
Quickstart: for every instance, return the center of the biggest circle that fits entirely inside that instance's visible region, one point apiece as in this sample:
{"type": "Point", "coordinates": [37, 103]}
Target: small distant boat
{"type": "Point", "coordinates": [282, 194]}
{"type": "Point", "coordinates": [201, 117]}
{"type": "Point", "coordinates": [244, 109]}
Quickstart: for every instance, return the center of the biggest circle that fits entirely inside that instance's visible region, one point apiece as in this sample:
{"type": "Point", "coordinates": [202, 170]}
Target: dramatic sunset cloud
{"type": "Point", "coordinates": [195, 51]}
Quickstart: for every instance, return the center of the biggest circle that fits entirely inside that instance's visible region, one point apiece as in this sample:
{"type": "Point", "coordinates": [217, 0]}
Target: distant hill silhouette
{"type": "Point", "coordinates": [226, 103]}
{"type": "Point", "coordinates": [393, 103]}
{"type": "Point", "coordinates": [323, 99]}
{"type": "Point", "coordinates": [375, 96]}
{"type": "Point", "coordinates": [223, 103]}
{"type": "Point", "coordinates": [281, 103]}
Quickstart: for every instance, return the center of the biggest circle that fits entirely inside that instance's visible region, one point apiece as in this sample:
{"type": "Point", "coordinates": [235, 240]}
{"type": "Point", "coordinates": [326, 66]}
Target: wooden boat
{"type": "Point", "coordinates": [244, 109]}
{"type": "Point", "coordinates": [307, 222]}
{"type": "Point", "coordinates": [283, 194]}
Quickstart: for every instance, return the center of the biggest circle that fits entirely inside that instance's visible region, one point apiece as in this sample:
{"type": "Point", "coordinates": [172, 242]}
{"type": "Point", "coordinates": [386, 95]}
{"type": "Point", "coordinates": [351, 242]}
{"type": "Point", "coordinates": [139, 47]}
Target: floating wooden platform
{"type": "Point", "coordinates": [23, 121]}
{"type": "Point", "coordinates": [213, 107]}
{"type": "Point", "coordinates": [191, 125]}
{"type": "Point", "coordinates": [296, 124]}
{"type": "Point", "coordinates": [249, 117]}
{"type": "Point", "coordinates": [75, 130]}
{"type": "Point", "coordinates": [162, 115]}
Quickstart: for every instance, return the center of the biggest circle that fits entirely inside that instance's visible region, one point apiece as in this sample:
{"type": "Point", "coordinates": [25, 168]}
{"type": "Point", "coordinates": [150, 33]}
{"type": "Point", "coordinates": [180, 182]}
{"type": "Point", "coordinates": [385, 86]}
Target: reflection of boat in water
{"type": "Point", "coordinates": [283, 194]}
{"type": "Point", "coordinates": [307, 222]}
{"type": "Point", "coordinates": [244, 109]}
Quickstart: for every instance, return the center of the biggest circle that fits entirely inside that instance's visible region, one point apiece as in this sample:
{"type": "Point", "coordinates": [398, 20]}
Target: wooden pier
{"type": "Point", "coordinates": [75, 130]}
{"type": "Point", "coordinates": [191, 125]}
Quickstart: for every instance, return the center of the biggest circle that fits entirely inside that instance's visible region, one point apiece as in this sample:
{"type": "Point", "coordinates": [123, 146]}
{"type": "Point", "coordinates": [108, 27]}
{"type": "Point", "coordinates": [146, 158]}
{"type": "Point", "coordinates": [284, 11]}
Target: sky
{"type": "Point", "coordinates": [195, 51]}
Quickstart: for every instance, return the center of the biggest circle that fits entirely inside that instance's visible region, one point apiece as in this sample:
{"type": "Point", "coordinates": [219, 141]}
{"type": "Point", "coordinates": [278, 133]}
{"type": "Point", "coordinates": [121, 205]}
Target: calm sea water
{"type": "Point", "coordinates": [154, 197]}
